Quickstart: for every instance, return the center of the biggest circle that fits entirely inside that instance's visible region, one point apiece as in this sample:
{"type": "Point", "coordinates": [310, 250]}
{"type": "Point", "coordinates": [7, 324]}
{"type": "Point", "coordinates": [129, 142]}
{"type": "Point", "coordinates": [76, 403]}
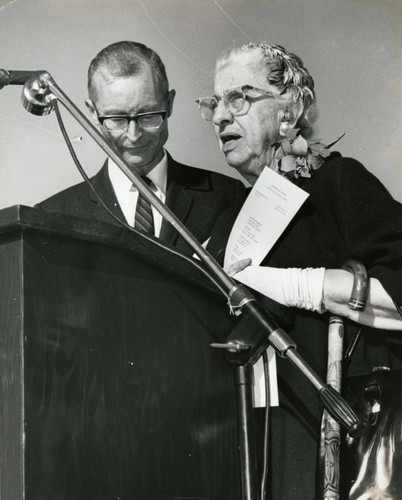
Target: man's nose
{"type": "Point", "coordinates": [134, 131]}
{"type": "Point", "coordinates": [221, 114]}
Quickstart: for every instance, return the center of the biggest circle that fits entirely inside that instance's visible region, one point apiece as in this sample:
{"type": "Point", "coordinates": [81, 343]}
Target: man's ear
{"type": "Point", "coordinates": [94, 115]}
{"type": "Point", "coordinates": [290, 117]}
{"type": "Point", "coordinates": [172, 95]}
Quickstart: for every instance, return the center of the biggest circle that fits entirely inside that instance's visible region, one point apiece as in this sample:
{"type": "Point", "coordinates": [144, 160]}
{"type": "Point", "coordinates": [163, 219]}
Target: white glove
{"type": "Point", "coordinates": [292, 287]}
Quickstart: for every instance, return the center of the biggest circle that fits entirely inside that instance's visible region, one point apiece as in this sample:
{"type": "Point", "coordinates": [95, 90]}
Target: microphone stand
{"type": "Point", "coordinates": [256, 328]}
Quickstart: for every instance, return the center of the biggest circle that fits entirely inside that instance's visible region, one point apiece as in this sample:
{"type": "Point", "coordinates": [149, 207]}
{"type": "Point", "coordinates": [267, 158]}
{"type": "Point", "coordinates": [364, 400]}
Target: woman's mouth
{"type": "Point", "coordinates": [229, 141]}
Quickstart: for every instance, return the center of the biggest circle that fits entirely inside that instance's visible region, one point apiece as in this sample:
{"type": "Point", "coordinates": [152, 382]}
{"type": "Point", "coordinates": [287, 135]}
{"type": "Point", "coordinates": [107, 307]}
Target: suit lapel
{"type": "Point", "coordinates": [178, 200]}
{"type": "Point", "coordinates": [103, 187]}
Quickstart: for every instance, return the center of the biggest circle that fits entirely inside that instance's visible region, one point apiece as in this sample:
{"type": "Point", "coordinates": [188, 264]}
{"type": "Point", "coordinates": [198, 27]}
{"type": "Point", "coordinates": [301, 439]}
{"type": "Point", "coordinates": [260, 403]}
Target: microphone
{"type": "Point", "coordinates": [36, 97]}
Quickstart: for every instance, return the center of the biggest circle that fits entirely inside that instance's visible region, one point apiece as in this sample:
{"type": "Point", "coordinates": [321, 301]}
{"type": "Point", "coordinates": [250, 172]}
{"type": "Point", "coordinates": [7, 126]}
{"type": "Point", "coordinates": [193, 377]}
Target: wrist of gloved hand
{"type": "Point", "coordinates": [292, 287]}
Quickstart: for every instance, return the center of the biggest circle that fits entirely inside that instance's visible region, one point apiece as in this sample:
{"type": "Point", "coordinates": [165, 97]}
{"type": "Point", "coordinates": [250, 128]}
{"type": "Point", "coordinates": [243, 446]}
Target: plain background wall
{"type": "Point", "coordinates": [351, 47]}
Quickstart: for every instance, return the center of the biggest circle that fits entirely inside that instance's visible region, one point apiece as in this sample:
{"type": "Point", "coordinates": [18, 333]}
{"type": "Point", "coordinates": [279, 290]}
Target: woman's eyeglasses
{"type": "Point", "coordinates": [233, 99]}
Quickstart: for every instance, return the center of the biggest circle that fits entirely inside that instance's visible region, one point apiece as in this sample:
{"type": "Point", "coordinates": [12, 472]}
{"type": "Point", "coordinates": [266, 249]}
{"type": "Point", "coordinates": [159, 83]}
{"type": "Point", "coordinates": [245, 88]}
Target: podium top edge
{"type": "Point", "coordinates": [21, 218]}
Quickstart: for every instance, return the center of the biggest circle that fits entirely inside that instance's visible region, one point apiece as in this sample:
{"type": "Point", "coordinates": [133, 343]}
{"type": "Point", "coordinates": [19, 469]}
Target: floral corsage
{"type": "Point", "coordinates": [296, 157]}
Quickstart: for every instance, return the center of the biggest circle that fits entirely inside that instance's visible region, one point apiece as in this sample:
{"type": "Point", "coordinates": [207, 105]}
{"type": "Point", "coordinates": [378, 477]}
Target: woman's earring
{"type": "Point", "coordinates": [284, 126]}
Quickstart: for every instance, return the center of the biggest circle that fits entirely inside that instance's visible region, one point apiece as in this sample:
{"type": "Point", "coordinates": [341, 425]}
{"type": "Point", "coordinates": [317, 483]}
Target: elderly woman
{"type": "Point", "coordinates": [264, 101]}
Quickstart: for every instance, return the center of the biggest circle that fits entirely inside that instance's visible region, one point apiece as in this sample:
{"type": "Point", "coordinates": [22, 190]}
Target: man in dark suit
{"type": "Point", "coordinates": [130, 102]}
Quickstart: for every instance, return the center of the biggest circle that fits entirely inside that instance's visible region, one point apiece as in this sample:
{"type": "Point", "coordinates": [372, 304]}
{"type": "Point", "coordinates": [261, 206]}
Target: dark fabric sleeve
{"type": "Point", "coordinates": [223, 227]}
{"type": "Point", "coordinates": [371, 223]}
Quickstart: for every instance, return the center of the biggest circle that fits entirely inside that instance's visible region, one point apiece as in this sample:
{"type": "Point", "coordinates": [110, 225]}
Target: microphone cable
{"type": "Point", "coordinates": [122, 223]}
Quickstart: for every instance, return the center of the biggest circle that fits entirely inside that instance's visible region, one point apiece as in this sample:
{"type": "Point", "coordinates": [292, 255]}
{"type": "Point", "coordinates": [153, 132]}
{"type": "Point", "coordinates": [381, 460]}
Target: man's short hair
{"type": "Point", "coordinates": [126, 58]}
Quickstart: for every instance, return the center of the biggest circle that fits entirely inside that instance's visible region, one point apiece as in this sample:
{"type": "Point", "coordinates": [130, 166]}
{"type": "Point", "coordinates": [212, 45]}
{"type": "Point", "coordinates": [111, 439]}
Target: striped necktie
{"type": "Point", "coordinates": [144, 220]}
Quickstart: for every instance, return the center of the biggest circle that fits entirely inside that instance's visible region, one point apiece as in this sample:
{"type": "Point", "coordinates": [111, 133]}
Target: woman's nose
{"type": "Point", "coordinates": [221, 114]}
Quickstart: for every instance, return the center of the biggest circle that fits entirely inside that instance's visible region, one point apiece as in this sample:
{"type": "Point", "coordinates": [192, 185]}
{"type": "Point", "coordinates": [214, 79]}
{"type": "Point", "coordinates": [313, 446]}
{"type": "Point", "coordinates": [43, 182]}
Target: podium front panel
{"type": "Point", "coordinates": [120, 394]}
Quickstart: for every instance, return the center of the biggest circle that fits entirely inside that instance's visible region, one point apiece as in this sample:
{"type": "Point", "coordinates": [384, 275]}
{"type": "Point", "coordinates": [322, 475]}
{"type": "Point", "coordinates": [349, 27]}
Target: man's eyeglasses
{"type": "Point", "coordinates": [119, 123]}
{"type": "Point", "coordinates": [233, 99]}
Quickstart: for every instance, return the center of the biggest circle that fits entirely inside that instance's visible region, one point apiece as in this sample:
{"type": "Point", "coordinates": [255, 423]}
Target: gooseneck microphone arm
{"type": "Point", "coordinates": [38, 95]}
{"type": "Point", "coordinates": [10, 77]}
{"type": "Point", "coordinates": [257, 328]}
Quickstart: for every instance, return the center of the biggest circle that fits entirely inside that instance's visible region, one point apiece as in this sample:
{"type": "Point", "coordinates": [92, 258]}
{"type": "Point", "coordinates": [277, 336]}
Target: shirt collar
{"type": "Point", "coordinates": [121, 183]}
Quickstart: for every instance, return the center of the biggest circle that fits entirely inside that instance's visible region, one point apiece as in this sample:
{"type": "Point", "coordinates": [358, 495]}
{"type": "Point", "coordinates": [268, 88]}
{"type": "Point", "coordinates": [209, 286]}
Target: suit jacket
{"type": "Point", "coordinates": [197, 197]}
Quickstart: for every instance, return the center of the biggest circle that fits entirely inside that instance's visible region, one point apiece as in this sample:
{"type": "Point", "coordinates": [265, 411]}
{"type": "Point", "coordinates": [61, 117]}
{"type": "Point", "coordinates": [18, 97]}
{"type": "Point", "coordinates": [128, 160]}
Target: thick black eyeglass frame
{"type": "Point", "coordinates": [129, 118]}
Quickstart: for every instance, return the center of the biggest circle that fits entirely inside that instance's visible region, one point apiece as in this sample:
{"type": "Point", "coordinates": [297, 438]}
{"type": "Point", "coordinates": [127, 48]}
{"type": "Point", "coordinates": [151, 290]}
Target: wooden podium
{"type": "Point", "coordinates": [109, 387]}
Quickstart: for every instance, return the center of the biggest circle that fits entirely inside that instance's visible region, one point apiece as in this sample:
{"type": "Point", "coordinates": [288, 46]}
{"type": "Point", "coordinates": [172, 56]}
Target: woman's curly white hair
{"type": "Point", "coordinates": [287, 73]}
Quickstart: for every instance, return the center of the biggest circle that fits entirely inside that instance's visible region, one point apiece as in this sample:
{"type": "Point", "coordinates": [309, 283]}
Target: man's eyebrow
{"type": "Point", "coordinates": [111, 111]}
{"type": "Point", "coordinates": [140, 111]}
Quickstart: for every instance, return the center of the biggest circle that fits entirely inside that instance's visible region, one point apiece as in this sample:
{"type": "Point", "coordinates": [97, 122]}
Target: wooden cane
{"type": "Point", "coordinates": [330, 429]}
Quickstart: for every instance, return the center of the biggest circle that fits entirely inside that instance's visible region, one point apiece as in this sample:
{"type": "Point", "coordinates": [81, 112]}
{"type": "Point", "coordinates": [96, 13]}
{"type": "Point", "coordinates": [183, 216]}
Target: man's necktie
{"type": "Point", "coordinates": [144, 220]}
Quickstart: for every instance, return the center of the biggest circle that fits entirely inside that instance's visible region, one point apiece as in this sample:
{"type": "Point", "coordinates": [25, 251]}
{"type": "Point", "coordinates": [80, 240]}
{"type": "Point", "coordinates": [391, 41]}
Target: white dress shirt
{"type": "Point", "coordinates": [127, 194]}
